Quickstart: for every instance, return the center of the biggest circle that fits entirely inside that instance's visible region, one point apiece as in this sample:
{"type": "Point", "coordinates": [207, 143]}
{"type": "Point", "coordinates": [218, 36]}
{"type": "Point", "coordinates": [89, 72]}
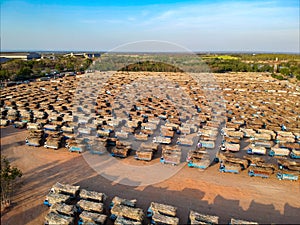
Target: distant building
{"type": "Point", "coordinates": [84, 54]}
{"type": "Point", "coordinates": [50, 56]}
{"type": "Point", "coordinates": [19, 55]}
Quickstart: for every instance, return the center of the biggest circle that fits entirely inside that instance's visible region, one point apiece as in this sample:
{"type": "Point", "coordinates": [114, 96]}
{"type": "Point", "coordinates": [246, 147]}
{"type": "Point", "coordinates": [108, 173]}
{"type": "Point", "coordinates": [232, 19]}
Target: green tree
{"type": "Point", "coordinates": [284, 71]}
{"type": "Point", "coordinates": [4, 75]}
{"type": "Point", "coordinates": [8, 176]}
{"type": "Point", "coordinates": [24, 73]}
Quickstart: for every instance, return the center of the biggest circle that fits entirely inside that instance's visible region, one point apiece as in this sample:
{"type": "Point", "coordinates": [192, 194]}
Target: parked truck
{"type": "Point", "coordinates": [63, 208]}
{"type": "Point", "coordinates": [199, 218]}
{"type": "Point", "coordinates": [279, 152]}
{"type": "Point", "coordinates": [295, 154]}
{"type": "Point", "coordinates": [57, 219]}
{"type": "Point", "coordinates": [265, 144]}
{"type": "Point", "coordinates": [232, 147]}
{"type": "Point", "coordinates": [288, 164]}
{"type": "Point", "coordinates": [231, 158]}
{"type": "Point", "coordinates": [52, 198]}
{"type": "Point", "coordinates": [256, 151]}
{"type": "Point", "coordinates": [241, 222]}
{"type": "Point", "coordinates": [162, 140]}
{"type": "Point", "coordinates": [287, 175]}
{"type": "Point", "coordinates": [198, 159]}
{"type": "Point", "coordinates": [132, 213]}
{"type": "Point", "coordinates": [161, 208]}
{"type": "Point", "coordinates": [120, 220]}
{"type": "Point", "coordinates": [120, 151]}
{"type": "Point", "coordinates": [35, 138]}
{"type": "Point", "coordinates": [260, 172]}
{"type": "Point", "coordinates": [185, 142]}
{"type": "Point", "coordinates": [19, 124]}
{"type": "Point", "coordinates": [162, 214]}
{"type": "Point", "coordinates": [53, 142]}
{"type": "Point", "coordinates": [90, 206]}
{"type": "Point", "coordinates": [92, 218]}
{"type": "Point", "coordinates": [171, 155]}
{"type": "Point", "coordinates": [207, 144]}
{"type": "Point", "coordinates": [144, 154]}
{"type": "Point", "coordinates": [227, 167]}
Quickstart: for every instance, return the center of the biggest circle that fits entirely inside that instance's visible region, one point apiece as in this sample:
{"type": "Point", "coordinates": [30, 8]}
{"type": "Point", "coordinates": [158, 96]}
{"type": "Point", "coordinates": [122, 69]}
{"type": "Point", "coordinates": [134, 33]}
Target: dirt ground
{"type": "Point", "coordinates": [211, 192]}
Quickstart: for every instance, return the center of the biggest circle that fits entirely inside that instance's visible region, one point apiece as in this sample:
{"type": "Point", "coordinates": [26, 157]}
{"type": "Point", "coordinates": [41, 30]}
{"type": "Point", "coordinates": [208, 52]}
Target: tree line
{"type": "Point", "coordinates": [16, 70]}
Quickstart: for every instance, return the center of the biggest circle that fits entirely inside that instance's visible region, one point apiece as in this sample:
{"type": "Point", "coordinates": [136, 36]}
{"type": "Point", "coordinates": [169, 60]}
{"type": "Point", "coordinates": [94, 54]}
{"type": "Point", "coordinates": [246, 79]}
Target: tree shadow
{"type": "Point", "coordinates": [36, 184]}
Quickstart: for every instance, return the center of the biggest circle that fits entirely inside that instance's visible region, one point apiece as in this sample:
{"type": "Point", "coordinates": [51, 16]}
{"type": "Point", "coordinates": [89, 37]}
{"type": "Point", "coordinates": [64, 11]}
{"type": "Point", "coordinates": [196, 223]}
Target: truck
{"type": "Point", "coordinates": [231, 158]}
{"type": "Point", "coordinates": [290, 146]}
{"type": "Point", "coordinates": [63, 208]}
{"type": "Point", "coordinates": [185, 142]}
{"type": "Point", "coordinates": [161, 208]}
{"type": "Point", "coordinates": [207, 144]}
{"type": "Point", "coordinates": [234, 134]}
{"type": "Point", "coordinates": [266, 144]}
{"type": "Point", "coordinates": [141, 137]}
{"type": "Point", "coordinates": [171, 155]}
{"type": "Point", "coordinates": [35, 138]}
{"type": "Point", "coordinates": [52, 198]}
{"type": "Point", "coordinates": [295, 154]}
{"type": "Point", "coordinates": [96, 146]}
{"type": "Point", "coordinates": [120, 151]}
{"type": "Point", "coordinates": [288, 164]}
{"type": "Point", "coordinates": [19, 124]}
{"type": "Point", "coordinates": [66, 129]}
{"type": "Point", "coordinates": [90, 206]}
{"type": "Point", "coordinates": [239, 222]}
{"type": "Point", "coordinates": [260, 172]}
{"type": "Point", "coordinates": [232, 140]}
{"type": "Point", "coordinates": [247, 132]}
{"type": "Point", "coordinates": [74, 147]}
{"type": "Point", "coordinates": [53, 142]}
{"type": "Point", "coordinates": [232, 147]}
{"type": "Point", "coordinates": [144, 154]}
{"type": "Point", "coordinates": [92, 195]}
{"type": "Point", "coordinates": [261, 136]}
{"type": "Point", "coordinates": [256, 151]}
{"type": "Point", "coordinates": [121, 134]}
{"type": "Point", "coordinates": [171, 158]}
{"type": "Point", "coordinates": [227, 167]}
{"type": "Point", "coordinates": [161, 213]}
{"type": "Point", "coordinates": [199, 218]}
{"type": "Point", "coordinates": [4, 122]}
{"type": "Point", "coordinates": [287, 175]}
{"type": "Point", "coordinates": [279, 152]}
{"type": "Point", "coordinates": [67, 189]}
{"type": "Point", "coordinates": [198, 159]}
{"type": "Point", "coordinates": [91, 218]}
{"type": "Point", "coordinates": [158, 218]}
{"type": "Point", "coordinates": [122, 201]}
{"type": "Point", "coordinates": [132, 213]}
{"type": "Point", "coordinates": [50, 127]}
{"type": "Point", "coordinates": [162, 140]}
{"type": "Point", "coordinates": [57, 219]}
{"type": "Point", "coordinates": [254, 160]}
{"type": "Point", "coordinates": [33, 126]}
{"type": "Point", "coordinates": [120, 220]}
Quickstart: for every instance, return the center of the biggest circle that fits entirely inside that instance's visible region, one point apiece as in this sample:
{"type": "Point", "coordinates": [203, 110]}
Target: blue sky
{"type": "Point", "coordinates": [223, 25]}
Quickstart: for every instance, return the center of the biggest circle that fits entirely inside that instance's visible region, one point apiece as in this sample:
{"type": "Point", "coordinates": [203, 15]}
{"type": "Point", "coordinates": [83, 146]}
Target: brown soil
{"type": "Point", "coordinates": [225, 195]}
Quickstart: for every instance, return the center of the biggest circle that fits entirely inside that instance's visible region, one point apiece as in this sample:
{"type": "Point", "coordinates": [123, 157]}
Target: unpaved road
{"type": "Point", "coordinates": [225, 195]}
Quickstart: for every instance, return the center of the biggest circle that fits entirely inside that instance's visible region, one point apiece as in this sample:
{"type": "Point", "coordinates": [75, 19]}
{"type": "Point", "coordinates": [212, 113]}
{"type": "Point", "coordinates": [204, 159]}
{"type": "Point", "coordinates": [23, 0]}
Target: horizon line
{"type": "Point", "coordinates": [153, 52]}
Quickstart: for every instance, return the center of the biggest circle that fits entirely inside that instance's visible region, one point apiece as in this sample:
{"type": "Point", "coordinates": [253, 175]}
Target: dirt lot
{"type": "Point", "coordinates": [225, 195]}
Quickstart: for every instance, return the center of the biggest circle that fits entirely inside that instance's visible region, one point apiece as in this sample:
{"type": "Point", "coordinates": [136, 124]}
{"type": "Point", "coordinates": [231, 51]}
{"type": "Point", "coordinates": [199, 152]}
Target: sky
{"type": "Point", "coordinates": [203, 25]}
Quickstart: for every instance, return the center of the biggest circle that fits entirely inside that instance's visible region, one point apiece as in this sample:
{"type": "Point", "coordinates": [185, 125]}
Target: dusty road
{"type": "Point", "coordinates": [225, 195]}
